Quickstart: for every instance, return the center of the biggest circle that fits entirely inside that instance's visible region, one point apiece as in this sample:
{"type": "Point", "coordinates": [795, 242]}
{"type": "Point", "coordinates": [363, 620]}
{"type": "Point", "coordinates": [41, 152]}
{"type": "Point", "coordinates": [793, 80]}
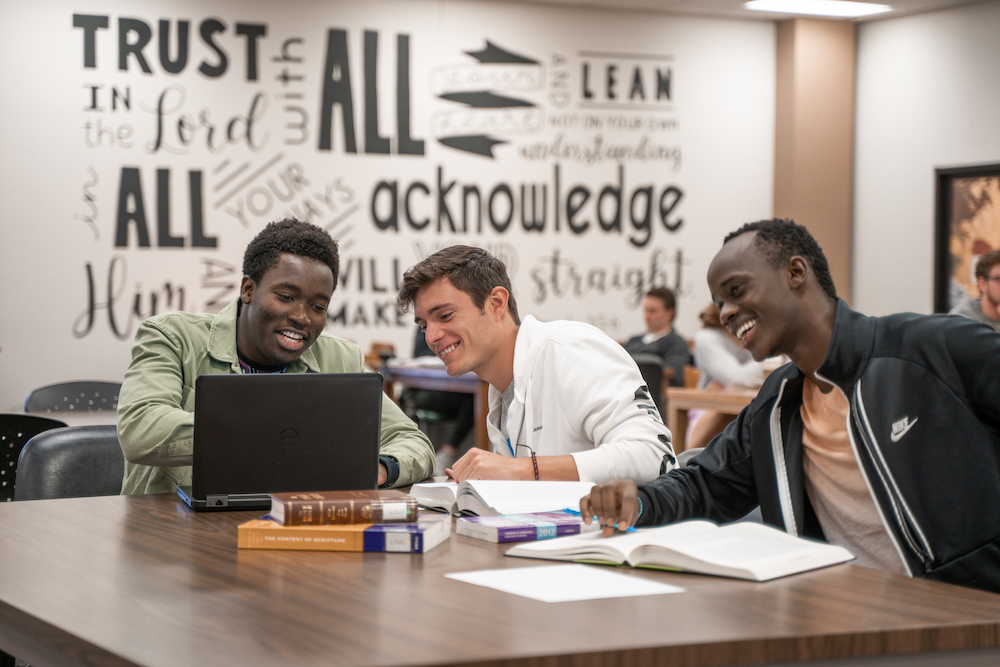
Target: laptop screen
{"type": "Point", "coordinates": [286, 432]}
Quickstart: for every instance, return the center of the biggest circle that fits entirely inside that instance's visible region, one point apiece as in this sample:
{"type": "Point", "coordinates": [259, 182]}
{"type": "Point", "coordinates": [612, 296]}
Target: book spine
{"type": "Point", "coordinates": [284, 538]}
{"type": "Point", "coordinates": [302, 512]}
{"type": "Point", "coordinates": [569, 529]}
{"type": "Point", "coordinates": [473, 529]}
{"type": "Point", "coordinates": [392, 542]}
{"type": "Point", "coordinates": [518, 534]}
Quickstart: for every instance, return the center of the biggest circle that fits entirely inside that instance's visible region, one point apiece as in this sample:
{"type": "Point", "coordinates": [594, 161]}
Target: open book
{"type": "Point", "coordinates": [489, 497]}
{"type": "Point", "coordinates": [743, 550]}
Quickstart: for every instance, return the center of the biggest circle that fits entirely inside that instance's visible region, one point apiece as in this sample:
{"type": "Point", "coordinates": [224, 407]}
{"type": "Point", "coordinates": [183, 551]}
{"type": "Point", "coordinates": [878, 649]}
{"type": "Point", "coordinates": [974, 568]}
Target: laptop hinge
{"type": "Point", "coordinates": [217, 500]}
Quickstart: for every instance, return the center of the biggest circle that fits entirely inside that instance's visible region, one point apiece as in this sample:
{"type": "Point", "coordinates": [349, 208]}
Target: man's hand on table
{"type": "Point", "coordinates": [481, 464]}
{"type": "Point", "coordinates": [615, 504]}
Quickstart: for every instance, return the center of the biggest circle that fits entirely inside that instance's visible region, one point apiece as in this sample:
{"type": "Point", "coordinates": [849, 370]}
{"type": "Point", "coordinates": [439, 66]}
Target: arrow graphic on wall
{"type": "Point", "coordinates": [472, 85]}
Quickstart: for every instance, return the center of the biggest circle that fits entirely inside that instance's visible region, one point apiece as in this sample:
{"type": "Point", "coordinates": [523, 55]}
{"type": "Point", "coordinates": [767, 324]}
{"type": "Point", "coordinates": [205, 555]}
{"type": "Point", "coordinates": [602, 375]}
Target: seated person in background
{"type": "Point", "coordinates": [456, 406]}
{"type": "Point", "coordinates": [275, 325]}
{"type": "Point", "coordinates": [723, 364]}
{"type": "Point", "coordinates": [566, 401]}
{"type": "Point", "coordinates": [986, 308]}
{"type": "Point", "coordinates": [661, 338]}
{"type": "Point", "coordinates": [882, 435]}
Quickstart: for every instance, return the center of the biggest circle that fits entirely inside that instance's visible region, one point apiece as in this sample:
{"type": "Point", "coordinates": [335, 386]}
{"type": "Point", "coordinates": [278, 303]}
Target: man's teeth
{"type": "Point", "coordinates": [293, 335]}
{"type": "Point", "coordinates": [745, 328]}
{"type": "Point", "coordinates": [447, 349]}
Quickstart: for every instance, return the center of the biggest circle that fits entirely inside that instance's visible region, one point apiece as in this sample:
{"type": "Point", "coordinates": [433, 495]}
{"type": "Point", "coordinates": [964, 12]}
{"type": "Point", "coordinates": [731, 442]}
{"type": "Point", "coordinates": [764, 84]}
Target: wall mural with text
{"type": "Point", "coordinates": [598, 154]}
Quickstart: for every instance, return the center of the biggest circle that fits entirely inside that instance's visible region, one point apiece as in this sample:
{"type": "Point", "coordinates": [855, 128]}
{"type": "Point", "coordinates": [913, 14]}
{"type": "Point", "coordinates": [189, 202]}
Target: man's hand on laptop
{"type": "Point", "coordinates": [481, 464]}
{"type": "Point", "coordinates": [383, 474]}
{"type": "Point", "coordinates": [614, 505]}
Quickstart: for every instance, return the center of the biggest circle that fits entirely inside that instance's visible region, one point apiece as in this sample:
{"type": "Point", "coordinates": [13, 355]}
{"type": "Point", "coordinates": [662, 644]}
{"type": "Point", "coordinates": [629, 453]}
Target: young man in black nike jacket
{"type": "Point", "coordinates": [882, 435]}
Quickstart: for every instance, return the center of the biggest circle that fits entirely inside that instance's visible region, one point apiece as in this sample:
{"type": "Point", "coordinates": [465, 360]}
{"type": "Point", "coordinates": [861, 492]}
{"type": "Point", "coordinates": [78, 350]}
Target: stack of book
{"type": "Point", "coordinates": [345, 521]}
{"type": "Point", "coordinates": [492, 496]}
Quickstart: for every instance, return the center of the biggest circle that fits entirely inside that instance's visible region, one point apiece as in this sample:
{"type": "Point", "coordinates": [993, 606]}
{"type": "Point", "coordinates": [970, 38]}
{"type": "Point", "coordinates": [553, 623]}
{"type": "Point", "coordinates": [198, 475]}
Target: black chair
{"type": "Point", "coordinates": [73, 462]}
{"type": "Point", "coordinates": [86, 396]}
{"type": "Point", "coordinates": [15, 432]}
{"type": "Point", "coordinates": [651, 367]}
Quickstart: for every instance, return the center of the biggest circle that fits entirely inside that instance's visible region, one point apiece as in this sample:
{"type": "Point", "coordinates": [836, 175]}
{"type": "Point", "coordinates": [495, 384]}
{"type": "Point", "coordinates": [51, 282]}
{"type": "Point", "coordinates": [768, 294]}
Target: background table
{"type": "Point", "coordinates": [681, 399]}
{"type": "Point", "coordinates": [423, 377]}
{"type": "Point", "coordinates": [80, 417]}
{"type": "Point", "coordinates": [143, 580]}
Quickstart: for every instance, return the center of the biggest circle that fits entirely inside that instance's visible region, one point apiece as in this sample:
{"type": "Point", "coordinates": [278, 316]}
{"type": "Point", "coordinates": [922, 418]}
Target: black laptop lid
{"type": "Point", "coordinates": [271, 433]}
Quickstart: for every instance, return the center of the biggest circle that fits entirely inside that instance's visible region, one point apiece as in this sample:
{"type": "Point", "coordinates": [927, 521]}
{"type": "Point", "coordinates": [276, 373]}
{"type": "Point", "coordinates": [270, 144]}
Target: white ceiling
{"type": "Point", "coordinates": [735, 9]}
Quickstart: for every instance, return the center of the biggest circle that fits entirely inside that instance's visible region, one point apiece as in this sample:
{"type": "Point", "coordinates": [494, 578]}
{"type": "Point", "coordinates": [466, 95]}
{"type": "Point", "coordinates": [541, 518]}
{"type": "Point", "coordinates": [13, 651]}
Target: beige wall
{"type": "Point", "coordinates": [813, 168]}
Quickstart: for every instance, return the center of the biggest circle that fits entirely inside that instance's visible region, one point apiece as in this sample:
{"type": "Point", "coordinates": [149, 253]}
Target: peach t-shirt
{"type": "Point", "coordinates": [835, 485]}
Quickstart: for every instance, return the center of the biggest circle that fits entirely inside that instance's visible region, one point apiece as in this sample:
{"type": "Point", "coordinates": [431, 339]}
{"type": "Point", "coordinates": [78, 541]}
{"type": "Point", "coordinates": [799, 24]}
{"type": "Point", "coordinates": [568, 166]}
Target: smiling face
{"type": "Point", "coordinates": [285, 312]}
{"type": "Point", "coordinates": [467, 338]}
{"type": "Point", "coordinates": [757, 302]}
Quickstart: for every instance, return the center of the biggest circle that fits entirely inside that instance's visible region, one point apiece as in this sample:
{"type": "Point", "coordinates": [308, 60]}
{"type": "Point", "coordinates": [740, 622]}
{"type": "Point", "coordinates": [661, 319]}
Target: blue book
{"type": "Point", "coordinates": [523, 527]}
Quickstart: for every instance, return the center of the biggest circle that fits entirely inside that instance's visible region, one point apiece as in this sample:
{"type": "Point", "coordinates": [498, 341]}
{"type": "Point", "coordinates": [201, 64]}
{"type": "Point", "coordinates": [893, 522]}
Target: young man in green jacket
{"type": "Point", "coordinates": [290, 272]}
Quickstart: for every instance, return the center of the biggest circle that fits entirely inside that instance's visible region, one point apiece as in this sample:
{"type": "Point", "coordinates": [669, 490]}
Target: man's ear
{"type": "Point", "coordinates": [798, 269]}
{"type": "Point", "coordinates": [497, 302]}
{"type": "Point", "coordinates": [982, 284]}
{"type": "Point", "coordinates": [247, 286]}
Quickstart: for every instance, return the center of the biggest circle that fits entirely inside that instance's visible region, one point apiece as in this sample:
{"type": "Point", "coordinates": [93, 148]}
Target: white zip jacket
{"type": "Point", "coordinates": [578, 392]}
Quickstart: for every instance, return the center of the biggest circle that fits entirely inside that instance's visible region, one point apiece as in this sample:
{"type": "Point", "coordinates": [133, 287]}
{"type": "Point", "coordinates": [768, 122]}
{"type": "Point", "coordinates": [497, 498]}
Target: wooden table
{"type": "Point", "coordinates": [424, 377]}
{"type": "Point", "coordinates": [682, 399]}
{"type": "Point", "coordinates": [143, 580]}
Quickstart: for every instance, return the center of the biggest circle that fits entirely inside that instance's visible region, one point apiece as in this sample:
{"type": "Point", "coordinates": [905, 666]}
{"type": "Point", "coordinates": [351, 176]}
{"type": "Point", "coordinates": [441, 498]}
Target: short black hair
{"type": "Point", "coordinates": [295, 238]}
{"type": "Point", "coordinates": [471, 270]}
{"type": "Point", "coordinates": [779, 240]}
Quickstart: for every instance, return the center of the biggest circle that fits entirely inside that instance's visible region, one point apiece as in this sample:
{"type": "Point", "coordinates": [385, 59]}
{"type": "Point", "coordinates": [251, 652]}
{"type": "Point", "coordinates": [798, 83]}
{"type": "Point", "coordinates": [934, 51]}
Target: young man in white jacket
{"type": "Point", "coordinates": [565, 401]}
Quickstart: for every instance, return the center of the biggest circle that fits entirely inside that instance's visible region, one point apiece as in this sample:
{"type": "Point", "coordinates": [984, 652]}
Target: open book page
{"type": "Point", "coordinates": [485, 497]}
{"type": "Point", "coordinates": [436, 495]}
{"type": "Point", "coordinates": [615, 549]}
{"type": "Point", "coordinates": [747, 550]}
{"type": "Point", "coordinates": [744, 550]}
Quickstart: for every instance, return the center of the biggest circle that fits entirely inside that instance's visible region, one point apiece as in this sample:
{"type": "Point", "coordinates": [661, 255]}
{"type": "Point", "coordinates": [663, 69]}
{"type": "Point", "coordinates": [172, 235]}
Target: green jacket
{"type": "Point", "coordinates": [156, 402]}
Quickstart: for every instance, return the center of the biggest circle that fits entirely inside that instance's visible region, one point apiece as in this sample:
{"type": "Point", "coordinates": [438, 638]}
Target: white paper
{"type": "Point", "coordinates": [565, 583]}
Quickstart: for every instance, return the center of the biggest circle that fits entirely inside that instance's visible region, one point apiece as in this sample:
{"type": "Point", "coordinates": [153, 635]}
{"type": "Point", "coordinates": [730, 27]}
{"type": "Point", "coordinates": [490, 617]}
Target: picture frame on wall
{"type": "Point", "coordinates": [967, 225]}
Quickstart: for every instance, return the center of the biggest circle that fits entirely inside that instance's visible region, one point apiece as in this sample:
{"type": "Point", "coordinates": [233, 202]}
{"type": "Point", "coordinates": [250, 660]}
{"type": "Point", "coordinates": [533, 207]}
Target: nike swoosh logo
{"type": "Point", "coordinates": [895, 437]}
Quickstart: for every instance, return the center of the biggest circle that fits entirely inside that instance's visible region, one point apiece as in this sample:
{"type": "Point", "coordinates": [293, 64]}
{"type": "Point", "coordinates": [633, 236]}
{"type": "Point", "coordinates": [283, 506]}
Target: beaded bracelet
{"type": "Point", "coordinates": [534, 463]}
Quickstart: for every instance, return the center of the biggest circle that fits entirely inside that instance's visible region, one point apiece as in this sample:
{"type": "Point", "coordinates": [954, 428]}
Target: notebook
{"type": "Point", "coordinates": [260, 434]}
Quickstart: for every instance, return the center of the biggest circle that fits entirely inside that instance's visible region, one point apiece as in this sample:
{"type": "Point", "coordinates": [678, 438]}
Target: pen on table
{"type": "Point", "coordinates": [630, 529]}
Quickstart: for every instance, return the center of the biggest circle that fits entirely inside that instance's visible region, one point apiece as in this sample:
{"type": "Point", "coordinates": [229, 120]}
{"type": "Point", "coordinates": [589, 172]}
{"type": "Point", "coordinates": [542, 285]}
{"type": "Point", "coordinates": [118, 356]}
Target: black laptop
{"type": "Point", "coordinates": [260, 434]}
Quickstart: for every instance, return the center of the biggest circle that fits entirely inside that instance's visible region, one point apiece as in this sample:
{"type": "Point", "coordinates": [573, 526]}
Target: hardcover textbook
{"type": "Point", "coordinates": [523, 527]}
{"type": "Point", "coordinates": [419, 537]}
{"type": "Point", "coordinates": [317, 508]}
{"type": "Point", "coordinates": [742, 550]}
{"type": "Point", "coordinates": [492, 497]}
